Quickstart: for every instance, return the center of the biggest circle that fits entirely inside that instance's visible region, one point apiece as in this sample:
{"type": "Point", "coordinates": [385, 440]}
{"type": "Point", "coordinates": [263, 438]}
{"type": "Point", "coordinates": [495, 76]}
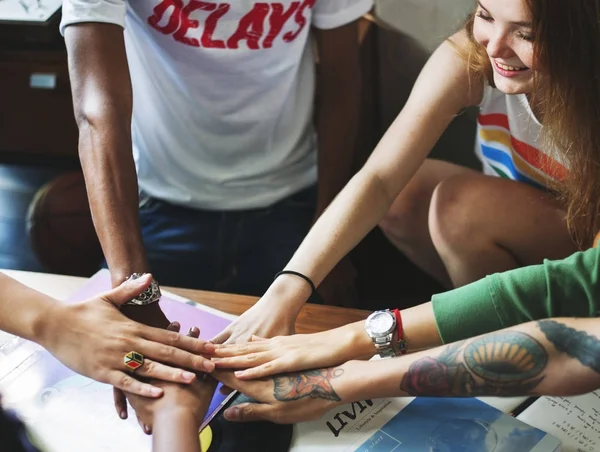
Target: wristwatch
{"type": "Point", "coordinates": [150, 295]}
{"type": "Point", "coordinates": [381, 328]}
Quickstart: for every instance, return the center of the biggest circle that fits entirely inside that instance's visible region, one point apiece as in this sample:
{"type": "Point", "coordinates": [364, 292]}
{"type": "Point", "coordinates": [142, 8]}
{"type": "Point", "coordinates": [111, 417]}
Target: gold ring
{"type": "Point", "coordinates": [133, 360]}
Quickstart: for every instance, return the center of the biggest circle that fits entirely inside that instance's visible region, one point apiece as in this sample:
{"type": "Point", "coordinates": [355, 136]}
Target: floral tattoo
{"type": "Point", "coordinates": [501, 364]}
{"type": "Point", "coordinates": [315, 384]}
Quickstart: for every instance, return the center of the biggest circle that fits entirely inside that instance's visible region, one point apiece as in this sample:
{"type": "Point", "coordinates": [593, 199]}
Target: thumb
{"type": "Point", "coordinates": [128, 289]}
{"type": "Point", "coordinates": [248, 412]}
{"type": "Point", "coordinates": [222, 336]}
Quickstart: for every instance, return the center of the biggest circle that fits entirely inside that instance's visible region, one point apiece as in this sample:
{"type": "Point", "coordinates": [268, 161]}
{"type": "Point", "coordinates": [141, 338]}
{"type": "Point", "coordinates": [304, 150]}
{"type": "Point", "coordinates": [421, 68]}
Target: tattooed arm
{"type": "Point", "coordinates": [550, 357]}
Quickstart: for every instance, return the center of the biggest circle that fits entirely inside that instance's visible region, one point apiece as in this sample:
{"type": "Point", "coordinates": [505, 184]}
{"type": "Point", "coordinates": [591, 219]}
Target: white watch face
{"type": "Point", "coordinates": [381, 323]}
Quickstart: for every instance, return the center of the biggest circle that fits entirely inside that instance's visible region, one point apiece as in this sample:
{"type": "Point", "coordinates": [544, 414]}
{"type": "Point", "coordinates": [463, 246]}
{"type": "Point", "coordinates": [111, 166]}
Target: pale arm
{"type": "Point", "coordinates": [23, 311]}
{"type": "Point", "coordinates": [442, 90]}
{"type": "Point", "coordinates": [261, 358]}
{"type": "Point", "coordinates": [548, 357]}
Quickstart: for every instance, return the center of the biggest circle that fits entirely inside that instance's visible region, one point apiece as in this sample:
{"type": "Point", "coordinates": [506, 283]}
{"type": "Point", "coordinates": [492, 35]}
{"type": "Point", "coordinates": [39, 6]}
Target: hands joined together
{"type": "Point", "coordinates": [172, 376]}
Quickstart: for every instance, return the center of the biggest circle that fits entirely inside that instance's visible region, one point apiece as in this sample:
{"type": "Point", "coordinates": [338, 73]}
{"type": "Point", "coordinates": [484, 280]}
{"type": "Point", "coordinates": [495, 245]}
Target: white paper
{"type": "Point", "coordinates": [28, 10]}
{"type": "Point", "coordinates": [574, 420]}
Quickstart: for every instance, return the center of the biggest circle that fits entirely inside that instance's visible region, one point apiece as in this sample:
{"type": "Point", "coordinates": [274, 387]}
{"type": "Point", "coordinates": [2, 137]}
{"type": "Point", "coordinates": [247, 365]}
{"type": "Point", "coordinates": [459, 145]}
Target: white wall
{"type": "Point", "coordinates": [429, 21]}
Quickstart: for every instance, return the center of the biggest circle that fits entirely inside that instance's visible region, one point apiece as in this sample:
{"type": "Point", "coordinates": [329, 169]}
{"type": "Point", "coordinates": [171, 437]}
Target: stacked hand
{"type": "Point", "coordinates": [192, 399]}
{"type": "Point", "coordinates": [92, 338]}
{"type": "Point", "coordinates": [291, 397]}
{"type": "Point", "coordinates": [264, 357]}
{"type": "Point", "coordinates": [273, 315]}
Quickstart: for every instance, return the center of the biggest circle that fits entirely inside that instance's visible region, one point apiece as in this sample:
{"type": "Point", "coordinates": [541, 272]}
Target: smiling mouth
{"type": "Point", "coordinates": [506, 67]}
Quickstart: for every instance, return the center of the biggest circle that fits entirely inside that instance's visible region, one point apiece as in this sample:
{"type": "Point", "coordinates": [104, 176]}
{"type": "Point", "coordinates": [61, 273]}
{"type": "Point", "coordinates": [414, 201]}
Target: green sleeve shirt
{"type": "Point", "coordinates": [565, 288]}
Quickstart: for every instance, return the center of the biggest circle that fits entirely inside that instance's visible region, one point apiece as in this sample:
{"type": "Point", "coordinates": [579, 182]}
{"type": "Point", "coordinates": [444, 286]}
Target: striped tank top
{"type": "Point", "coordinates": [508, 141]}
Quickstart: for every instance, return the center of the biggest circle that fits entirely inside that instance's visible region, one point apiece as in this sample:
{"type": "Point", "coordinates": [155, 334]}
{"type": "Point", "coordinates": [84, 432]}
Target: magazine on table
{"type": "Point", "coordinates": [425, 424]}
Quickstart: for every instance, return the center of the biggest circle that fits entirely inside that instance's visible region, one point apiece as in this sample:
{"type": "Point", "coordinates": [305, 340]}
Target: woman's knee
{"type": "Point", "coordinates": [409, 211]}
{"type": "Point", "coordinates": [454, 213]}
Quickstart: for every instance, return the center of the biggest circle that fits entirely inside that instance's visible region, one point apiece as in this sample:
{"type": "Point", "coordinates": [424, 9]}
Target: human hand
{"type": "Point", "coordinates": [264, 357]}
{"type": "Point", "coordinates": [339, 287]}
{"type": "Point", "coordinates": [92, 338]}
{"type": "Point", "coordinates": [290, 398]}
{"type": "Point", "coordinates": [192, 400]}
{"type": "Point", "coordinates": [273, 315]}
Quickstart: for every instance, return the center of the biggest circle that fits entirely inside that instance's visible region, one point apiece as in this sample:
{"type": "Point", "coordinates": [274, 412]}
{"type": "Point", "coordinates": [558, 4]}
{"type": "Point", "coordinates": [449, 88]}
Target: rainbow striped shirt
{"type": "Point", "coordinates": [508, 137]}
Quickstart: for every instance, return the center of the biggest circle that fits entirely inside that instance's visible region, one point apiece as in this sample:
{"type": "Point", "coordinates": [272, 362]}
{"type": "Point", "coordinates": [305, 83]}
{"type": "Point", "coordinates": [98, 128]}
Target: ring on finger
{"type": "Point", "coordinates": [133, 360]}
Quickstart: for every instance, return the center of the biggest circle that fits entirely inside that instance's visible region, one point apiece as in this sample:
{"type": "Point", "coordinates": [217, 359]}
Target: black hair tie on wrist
{"type": "Point", "coordinates": [315, 297]}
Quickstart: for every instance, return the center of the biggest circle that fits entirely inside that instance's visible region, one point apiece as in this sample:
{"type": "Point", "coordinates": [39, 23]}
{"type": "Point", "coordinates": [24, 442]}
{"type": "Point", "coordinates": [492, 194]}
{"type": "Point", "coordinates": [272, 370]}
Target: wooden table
{"type": "Point", "coordinates": [312, 318]}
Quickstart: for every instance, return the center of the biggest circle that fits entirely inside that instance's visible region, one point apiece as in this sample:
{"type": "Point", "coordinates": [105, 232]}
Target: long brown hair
{"type": "Point", "coordinates": [567, 96]}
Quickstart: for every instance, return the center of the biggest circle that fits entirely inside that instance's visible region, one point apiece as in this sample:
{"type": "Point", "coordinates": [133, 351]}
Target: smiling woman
{"type": "Point", "coordinates": [551, 54]}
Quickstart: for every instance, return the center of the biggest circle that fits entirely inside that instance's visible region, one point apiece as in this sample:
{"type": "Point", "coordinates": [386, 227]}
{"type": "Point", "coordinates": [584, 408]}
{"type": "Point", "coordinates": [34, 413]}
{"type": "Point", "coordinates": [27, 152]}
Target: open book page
{"type": "Point", "coordinates": [574, 420]}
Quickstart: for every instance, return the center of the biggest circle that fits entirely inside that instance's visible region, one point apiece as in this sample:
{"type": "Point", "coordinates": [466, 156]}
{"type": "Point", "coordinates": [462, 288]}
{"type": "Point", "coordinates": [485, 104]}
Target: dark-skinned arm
{"type": "Point", "coordinates": [548, 357]}
{"type": "Point", "coordinates": [102, 101]}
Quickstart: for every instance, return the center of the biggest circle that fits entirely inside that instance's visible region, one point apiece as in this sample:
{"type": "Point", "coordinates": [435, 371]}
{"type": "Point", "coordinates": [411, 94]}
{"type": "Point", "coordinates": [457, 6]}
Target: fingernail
{"type": "Point", "coordinates": [209, 365]}
{"type": "Point", "coordinates": [239, 373]}
{"type": "Point", "coordinates": [156, 391]}
{"type": "Point", "coordinates": [209, 347]}
{"type": "Point", "coordinates": [146, 428]}
{"type": "Point", "coordinates": [123, 414]}
{"type": "Point", "coordinates": [232, 413]}
{"type": "Point", "coordinates": [188, 376]}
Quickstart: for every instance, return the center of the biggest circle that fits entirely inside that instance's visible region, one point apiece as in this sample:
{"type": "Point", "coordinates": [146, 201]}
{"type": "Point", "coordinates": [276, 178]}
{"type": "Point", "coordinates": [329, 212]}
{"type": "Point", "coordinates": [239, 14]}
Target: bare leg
{"type": "Point", "coordinates": [406, 223]}
{"type": "Point", "coordinates": [481, 225]}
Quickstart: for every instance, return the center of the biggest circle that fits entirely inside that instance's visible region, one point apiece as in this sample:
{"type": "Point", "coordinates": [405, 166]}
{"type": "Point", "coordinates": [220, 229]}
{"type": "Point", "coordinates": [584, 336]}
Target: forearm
{"type": "Point", "coordinates": [419, 331]}
{"type": "Point", "coordinates": [355, 211]}
{"type": "Point", "coordinates": [175, 429]}
{"type": "Point", "coordinates": [23, 311]}
{"type": "Point", "coordinates": [549, 357]}
{"type": "Point", "coordinates": [103, 107]}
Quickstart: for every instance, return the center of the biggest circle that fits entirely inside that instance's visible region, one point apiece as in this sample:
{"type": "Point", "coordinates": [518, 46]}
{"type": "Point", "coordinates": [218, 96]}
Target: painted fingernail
{"type": "Point", "coordinates": [146, 428]}
{"type": "Point", "coordinates": [188, 376]}
{"type": "Point", "coordinates": [209, 365]}
{"type": "Point", "coordinates": [123, 414]}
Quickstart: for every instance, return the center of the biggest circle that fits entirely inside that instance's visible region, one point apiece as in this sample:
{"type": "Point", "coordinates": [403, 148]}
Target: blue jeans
{"type": "Point", "coordinates": [227, 251]}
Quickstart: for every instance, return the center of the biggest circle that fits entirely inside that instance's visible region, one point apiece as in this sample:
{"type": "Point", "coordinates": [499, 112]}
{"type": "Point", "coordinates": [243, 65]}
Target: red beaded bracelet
{"type": "Point", "coordinates": [401, 344]}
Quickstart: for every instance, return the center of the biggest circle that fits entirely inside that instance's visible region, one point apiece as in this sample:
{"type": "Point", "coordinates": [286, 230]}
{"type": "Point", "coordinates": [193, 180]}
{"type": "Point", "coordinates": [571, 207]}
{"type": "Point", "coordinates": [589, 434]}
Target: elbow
{"type": "Point", "coordinates": [95, 113]}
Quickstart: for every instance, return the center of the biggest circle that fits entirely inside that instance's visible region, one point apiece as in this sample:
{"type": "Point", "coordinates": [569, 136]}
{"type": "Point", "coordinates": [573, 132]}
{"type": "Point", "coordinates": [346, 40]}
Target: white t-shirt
{"type": "Point", "coordinates": [223, 94]}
